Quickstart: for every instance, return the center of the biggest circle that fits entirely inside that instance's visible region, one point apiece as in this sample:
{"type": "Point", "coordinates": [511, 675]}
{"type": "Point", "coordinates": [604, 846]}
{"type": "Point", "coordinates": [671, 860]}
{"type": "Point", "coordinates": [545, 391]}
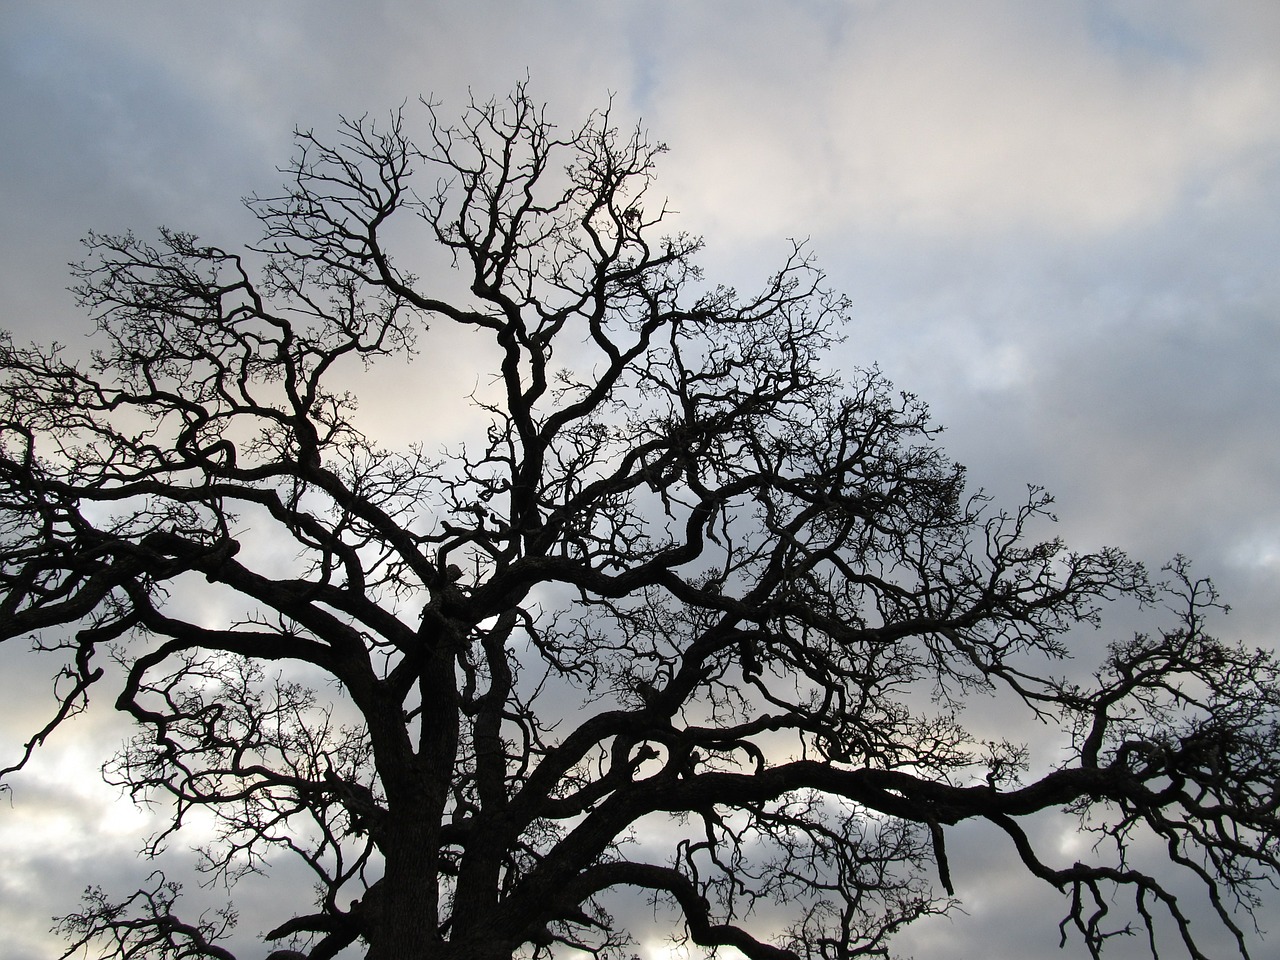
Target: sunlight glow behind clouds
{"type": "Point", "coordinates": [942, 119]}
{"type": "Point", "coordinates": [1260, 552]}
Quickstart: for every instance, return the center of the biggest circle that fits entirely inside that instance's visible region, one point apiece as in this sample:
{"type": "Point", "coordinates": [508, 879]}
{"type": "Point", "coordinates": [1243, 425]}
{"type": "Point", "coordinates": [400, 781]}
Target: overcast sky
{"type": "Point", "coordinates": [1059, 222]}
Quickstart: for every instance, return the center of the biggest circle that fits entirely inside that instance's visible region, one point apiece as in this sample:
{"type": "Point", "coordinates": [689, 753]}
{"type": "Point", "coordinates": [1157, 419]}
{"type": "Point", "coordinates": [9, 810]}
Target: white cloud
{"type": "Point", "coordinates": [952, 119]}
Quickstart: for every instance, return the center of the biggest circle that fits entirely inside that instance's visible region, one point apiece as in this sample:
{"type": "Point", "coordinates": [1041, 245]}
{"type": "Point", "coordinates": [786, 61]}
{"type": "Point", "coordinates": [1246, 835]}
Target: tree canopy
{"type": "Point", "coordinates": [686, 583]}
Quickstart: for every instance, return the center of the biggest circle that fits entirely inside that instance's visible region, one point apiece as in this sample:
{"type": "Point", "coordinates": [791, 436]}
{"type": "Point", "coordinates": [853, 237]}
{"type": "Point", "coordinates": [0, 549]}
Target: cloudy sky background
{"type": "Point", "coordinates": [1059, 222]}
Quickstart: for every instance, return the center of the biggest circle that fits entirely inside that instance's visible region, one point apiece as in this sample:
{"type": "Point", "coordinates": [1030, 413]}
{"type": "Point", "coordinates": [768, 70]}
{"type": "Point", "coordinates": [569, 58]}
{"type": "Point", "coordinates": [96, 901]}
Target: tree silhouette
{"type": "Point", "coordinates": [692, 618]}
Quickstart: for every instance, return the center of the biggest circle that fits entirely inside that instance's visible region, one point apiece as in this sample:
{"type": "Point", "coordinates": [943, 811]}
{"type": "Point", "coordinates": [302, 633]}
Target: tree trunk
{"type": "Point", "coordinates": [403, 922]}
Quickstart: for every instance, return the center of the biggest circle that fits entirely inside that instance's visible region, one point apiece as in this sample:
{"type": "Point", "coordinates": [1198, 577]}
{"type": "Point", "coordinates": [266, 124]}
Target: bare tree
{"type": "Point", "coordinates": [688, 583]}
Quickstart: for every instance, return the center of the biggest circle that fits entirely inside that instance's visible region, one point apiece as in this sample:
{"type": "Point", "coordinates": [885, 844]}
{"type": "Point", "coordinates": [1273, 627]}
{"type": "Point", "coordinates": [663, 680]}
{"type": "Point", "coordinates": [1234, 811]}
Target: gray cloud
{"type": "Point", "coordinates": [1058, 222]}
